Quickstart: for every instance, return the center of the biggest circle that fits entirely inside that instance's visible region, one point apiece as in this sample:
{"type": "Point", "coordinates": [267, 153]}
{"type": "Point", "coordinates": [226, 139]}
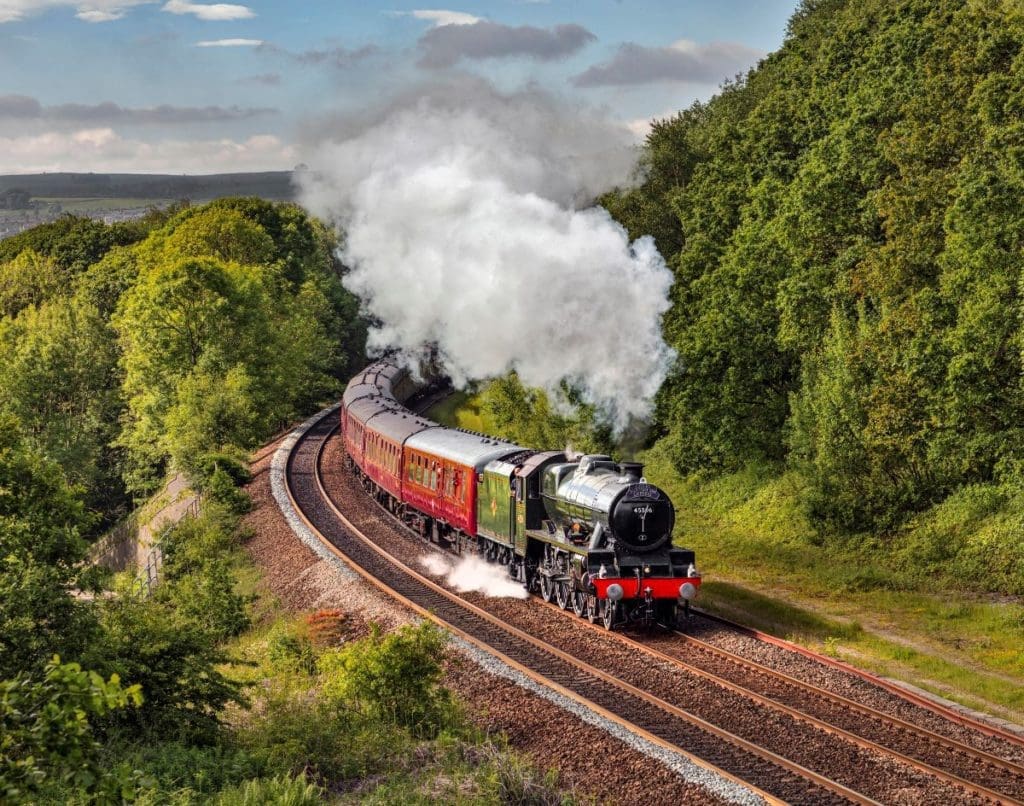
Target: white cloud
{"type": "Point", "coordinates": [103, 150]}
{"type": "Point", "coordinates": [682, 61]}
{"type": "Point", "coordinates": [210, 11]}
{"type": "Point", "coordinates": [229, 43]}
{"type": "Point", "coordinates": [440, 17]}
{"type": "Point", "coordinates": [87, 10]}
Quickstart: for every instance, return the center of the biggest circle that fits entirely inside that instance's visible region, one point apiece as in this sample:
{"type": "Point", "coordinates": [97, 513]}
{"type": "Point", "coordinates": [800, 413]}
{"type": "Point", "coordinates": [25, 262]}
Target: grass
{"type": "Point", "coordinates": [766, 567]}
{"type": "Point", "coordinates": [864, 598]}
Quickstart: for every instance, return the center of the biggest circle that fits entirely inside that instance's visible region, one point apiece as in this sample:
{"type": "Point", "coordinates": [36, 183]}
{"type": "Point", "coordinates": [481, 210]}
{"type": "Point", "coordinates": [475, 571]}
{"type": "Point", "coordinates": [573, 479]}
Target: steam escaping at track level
{"type": "Point", "coordinates": [463, 230]}
{"type": "Point", "coordinates": [474, 574]}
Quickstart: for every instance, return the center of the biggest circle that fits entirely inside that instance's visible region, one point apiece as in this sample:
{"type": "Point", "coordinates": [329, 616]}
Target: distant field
{"type": "Point", "coordinates": [85, 206]}
{"type": "Point", "coordinates": [272, 185]}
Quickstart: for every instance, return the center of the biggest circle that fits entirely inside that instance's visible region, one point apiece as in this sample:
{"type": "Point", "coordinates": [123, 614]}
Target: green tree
{"type": "Point", "coordinates": [60, 377]}
{"type": "Point", "coordinates": [48, 737]}
{"type": "Point", "coordinates": [42, 549]}
{"type": "Point", "coordinates": [28, 279]}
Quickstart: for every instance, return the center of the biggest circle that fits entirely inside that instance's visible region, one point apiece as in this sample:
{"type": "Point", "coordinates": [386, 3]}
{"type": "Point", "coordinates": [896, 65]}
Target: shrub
{"type": "Point", "coordinates": [47, 738]}
{"type": "Point", "coordinates": [292, 653]}
{"type": "Point", "coordinates": [299, 732]}
{"type": "Point", "coordinates": [221, 488]}
{"type": "Point", "coordinates": [395, 679]}
{"type": "Point", "coordinates": [232, 463]}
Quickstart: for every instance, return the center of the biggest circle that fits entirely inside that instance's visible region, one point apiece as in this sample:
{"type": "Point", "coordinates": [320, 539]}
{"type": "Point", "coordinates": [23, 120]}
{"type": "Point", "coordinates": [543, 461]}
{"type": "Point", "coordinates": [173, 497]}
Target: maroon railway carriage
{"type": "Point", "coordinates": [442, 467]}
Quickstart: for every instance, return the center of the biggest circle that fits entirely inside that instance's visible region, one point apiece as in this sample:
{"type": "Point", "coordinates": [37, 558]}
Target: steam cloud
{"type": "Point", "coordinates": [474, 574]}
{"type": "Point", "coordinates": [464, 229]}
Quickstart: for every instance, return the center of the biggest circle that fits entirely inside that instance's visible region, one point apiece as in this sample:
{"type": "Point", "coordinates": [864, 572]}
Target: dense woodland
{"type": "Point", "coordinates": [179, 343]}
{"type": "Point", "coordinates": [846, 230]}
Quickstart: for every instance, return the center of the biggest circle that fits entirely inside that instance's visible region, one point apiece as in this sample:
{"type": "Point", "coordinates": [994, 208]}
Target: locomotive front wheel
{"type": "Point", "coordinates": [547, 588]}
{"type": "Point", "coordinates": [594, 606]}
{"type": "Point", "coordinates": [562, 595]}
{"type": "Point", "coordinates": [608, 614]}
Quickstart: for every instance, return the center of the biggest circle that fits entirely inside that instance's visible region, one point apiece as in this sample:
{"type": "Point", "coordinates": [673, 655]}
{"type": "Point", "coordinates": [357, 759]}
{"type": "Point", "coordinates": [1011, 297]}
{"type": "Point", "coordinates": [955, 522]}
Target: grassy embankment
{"type": "Point", "coordinates": [860, 600]}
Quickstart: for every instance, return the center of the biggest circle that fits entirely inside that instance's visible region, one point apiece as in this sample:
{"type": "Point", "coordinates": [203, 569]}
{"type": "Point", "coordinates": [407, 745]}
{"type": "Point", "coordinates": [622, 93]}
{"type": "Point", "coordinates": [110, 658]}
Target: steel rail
{"type": "Point", "coordinates": [867, 744]}
{"type": "Point", "coordinates": [945, 711]}
{"type": "Point", "coordinates": [952, 744]}
{"type": "Point", "coordinates": [562, 685]}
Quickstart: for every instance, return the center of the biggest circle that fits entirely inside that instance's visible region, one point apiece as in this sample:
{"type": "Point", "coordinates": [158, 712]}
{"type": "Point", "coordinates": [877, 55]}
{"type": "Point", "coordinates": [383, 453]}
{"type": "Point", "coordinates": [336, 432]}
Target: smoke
{"type": "Point", "coordinates": [465, 229]}
{"type": "Point", "coordinates": [474, 574]}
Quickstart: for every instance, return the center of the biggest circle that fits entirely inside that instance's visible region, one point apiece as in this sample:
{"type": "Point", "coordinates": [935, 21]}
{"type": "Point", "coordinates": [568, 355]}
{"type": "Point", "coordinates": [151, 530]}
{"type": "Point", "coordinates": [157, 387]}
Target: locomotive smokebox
{"type": "Point", "coordinates": [631, 470]}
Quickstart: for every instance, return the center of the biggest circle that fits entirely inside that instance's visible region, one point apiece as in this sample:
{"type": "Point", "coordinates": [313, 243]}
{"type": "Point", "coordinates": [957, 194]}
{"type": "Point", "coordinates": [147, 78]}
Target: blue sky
{"type": "Point", "coordinates": [181, 87]}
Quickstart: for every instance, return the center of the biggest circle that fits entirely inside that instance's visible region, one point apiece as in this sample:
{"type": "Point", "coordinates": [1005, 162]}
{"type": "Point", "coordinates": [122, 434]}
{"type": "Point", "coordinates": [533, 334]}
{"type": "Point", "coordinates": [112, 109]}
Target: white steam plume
{"type": "Point", "coordinates": [474, 574]}
{"type": "Point", "coordinates": [463, 230]}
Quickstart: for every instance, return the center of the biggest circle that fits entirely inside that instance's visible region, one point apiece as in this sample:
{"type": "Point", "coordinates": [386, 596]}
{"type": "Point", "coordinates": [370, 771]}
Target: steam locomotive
{"type": "Point", "coordinates": [589, 533]}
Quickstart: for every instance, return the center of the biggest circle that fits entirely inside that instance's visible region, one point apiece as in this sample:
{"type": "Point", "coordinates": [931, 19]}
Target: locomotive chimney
{"type": "Point", "coordinates": [631, 470]}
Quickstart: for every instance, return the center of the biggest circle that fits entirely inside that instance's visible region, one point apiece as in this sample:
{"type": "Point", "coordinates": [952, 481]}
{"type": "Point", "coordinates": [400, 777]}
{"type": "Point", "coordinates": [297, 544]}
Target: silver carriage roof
{"type": "Point", "coordinates": [461, 446]}
{"type": "Point", "coordinates": [398, 424]}
{"type": "Point", "coordinates": [383, 377]}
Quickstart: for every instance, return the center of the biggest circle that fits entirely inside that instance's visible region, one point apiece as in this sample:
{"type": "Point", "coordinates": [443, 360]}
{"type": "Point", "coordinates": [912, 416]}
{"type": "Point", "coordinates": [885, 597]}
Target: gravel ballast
{"type": "Point", "coordinates": [595, 756]}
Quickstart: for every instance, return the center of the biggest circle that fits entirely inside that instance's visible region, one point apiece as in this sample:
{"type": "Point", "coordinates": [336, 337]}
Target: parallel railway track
{"type": "Point", "coordinates": [968, 774]}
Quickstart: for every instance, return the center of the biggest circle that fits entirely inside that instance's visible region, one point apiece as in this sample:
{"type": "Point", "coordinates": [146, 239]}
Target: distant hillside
{"type": "Point", "coordinates": [271, 185]}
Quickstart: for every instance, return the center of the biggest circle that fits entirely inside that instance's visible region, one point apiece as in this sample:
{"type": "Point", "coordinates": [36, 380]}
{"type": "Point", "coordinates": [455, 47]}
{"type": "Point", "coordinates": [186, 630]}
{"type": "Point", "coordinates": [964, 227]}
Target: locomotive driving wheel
{"type": "Point", "coordinates": [608, 614]}
{"type": "Point", "coordinates": [579, 603]}
{"type": "Point", "coordinates": [562, 595]}
{"type": "Point", "coordinates": [547, 588]}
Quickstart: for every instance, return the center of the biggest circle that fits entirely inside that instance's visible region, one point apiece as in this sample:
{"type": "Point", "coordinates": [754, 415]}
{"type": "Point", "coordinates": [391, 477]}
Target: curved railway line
{"type": "Point", "coordinates": [787, 739]}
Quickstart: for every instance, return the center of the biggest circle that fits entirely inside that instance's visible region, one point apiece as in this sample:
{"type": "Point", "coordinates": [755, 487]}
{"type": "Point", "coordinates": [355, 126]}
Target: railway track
{"type": "Point", "coordinates": [956, 761]}
{"type": "Point", "coordinates": [776, 778]}
{"type": "Point", "coordinates": [977, 771]}
{"type": "Point", "coordinates": [961, 773]}
{"type": "Point", "coordinates": [947, 714]}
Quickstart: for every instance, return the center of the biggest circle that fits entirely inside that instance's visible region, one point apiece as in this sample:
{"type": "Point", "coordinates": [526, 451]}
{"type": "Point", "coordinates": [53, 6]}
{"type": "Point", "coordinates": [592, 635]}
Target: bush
{"type": "Point", "coordinates": [299, 732]}
{"type": "Point", "coordinates": [182, 773]}
{"type": "Point", "coordinates": [232, 463]}
{"type": "Point", "coordinates": [395, 679]}
{"type": "Point", "coordinates": [521, 784]}
{"type": "Point", "coordinates": [221, 488]}
{"type": "Point", "coordinates": [176, 662]}
{"type": "Point", "coordinates": [47, 738]}
{"type": "Point", "coordinates": [194, 542]}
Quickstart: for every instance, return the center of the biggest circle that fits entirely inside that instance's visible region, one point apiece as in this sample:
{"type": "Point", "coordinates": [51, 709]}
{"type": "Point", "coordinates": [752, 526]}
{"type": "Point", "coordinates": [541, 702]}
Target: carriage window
{"type": "Point", "coordinates": [433, 477]}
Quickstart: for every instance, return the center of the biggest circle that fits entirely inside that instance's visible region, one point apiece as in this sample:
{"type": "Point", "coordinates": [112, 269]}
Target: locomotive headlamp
{"type": "Point", "coordinates": [615, 591]}
{"type": "Point", "coordinates": [687, 591]}
{"type": "Point", "coordinates": [647, 569]}
{"type": "Point", "coordinates": [692, 571]}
